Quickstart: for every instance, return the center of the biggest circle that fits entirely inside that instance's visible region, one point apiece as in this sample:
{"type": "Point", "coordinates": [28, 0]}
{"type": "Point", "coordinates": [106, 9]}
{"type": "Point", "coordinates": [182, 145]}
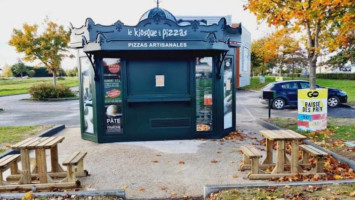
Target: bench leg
{"type": "Point", "coordinates": [269, 156]}
{"type": "Point", "coordinates": [80, 166]}
{"type": "Point", "coordinates": [26, 167]}
{"type": "Point", "coordinates": [246, 163]}
{"type": "Point", "coordinates": [54, 160]}
{"type": "Point", "coordinates": [305, 158]}
{"type": "Point", "coordinates": [14, 168]}
{"type": "Point", "coordinates": [71, 177]}
{"type": "Point", "coordinates": [255, 165]}
{"type": "Point", "coordinates": [1, 178]}
{"type": "Point", "coordinates": [294, 156]}
{"type": "Point", "coordinates": [280, 157]}
{"type": "Point", "coordinates": [320, 164]}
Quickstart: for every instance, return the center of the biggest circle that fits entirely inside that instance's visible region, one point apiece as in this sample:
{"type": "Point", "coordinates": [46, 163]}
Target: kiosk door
{"type": "Point", "coordinates": [159, 103]}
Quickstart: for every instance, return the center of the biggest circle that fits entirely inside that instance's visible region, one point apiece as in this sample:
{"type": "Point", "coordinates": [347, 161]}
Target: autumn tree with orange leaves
{"type": "Point", "coordinates": [272, 50]}
{"type": "Point", "coordinates": [325, 24]}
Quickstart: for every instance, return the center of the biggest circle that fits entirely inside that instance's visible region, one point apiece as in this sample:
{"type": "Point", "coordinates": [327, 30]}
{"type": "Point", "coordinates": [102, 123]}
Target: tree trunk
{"type": "Point", "coordinates": [21, 75]}
{"type": "Point", "coordinates": [54, 78]}
{"type": "Point", "coordinates": [312, 73]}
{"type": "Point", "coordinates": [293, 70]}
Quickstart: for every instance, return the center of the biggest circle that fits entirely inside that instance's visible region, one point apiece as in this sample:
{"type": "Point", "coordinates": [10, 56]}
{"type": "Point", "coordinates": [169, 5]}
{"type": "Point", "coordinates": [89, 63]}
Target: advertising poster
{"type": "Point", "coordinates": [312, 109]}
{"type": "Point", "coordinates": [113, 95]}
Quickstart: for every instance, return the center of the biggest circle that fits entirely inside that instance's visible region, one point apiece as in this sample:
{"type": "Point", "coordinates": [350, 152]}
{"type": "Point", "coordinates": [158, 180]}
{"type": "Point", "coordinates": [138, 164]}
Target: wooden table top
{"type": "Point", "coordinates": [38, 143]}
{"type": "Point", "coordinates": [282, 135]}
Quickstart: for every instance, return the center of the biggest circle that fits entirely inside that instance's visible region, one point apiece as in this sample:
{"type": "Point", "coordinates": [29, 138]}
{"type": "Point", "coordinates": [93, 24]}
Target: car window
{"type": "Point", "coordinates": [268, 86]}
{"type": "Point", "coordinates": [289, 86]}
{"type": "Point", "coordinates": [304, 85]}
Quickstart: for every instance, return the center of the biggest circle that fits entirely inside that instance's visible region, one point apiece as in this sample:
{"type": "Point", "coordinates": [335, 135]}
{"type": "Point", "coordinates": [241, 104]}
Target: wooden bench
{"type": "Point", "coordinates": [9, 161]}
{"type": "Point", "coordinates": [251, 158]}
{"type": "Point", "coordinates": [308, 150]}
{"type": "Point", "coordinates": [75, 164]}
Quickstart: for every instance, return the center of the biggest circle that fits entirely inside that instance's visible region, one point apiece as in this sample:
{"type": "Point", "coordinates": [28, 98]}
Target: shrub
{"type": "Point", "coordinates": [348, 76]}
{"type": "Point", "coordinates": [46, 90]}
{"type": "Point", "coordinates": [60, 78]}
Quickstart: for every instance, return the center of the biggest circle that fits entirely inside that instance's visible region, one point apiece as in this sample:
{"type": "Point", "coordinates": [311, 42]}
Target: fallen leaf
{"type": "Point", "coordinates": [338, 177]}
{"type": "Point", "coordinates": [235, 176]}
{"type": "Point", "coordinates": [163, 188]}
{"type": "Point", "coordinates": [8, 145]}
{"type": "Point", "coordinates": [287, 186]}
{"type": "Point", "coordinates": [181, 163]}
{"type": "Point", "coordinates": [352, 194]}
{"type": "Point", "coordinates": [155, 161]}
{"type": "Point", "coordinates": [141, 189]}
{"type": "Point", "coordinates": [158, 155]}
{"type": "Point", "coordinates": [124, 187]}
{"type": "Point", "coordinates": [173, 193]}
{"type": "Point", "coordinates": [214, 161]}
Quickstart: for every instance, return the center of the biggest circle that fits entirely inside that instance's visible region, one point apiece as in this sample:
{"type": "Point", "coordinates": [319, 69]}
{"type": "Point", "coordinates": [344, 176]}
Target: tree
{"type": "Point", "coordinates": [19, 68]}
{"type": "Point", "coordinates": [323, 23]}
{"type": "Point", "coordinates": [6, 71]}
{"type": "Point", "coordinates": [49, 47]}
{"type": "Point", "coordinates": [31, 73]}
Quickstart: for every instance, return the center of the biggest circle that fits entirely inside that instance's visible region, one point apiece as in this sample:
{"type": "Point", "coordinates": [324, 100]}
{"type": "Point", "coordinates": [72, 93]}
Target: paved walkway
{"type": "Point", "coordinates": [154, 166]}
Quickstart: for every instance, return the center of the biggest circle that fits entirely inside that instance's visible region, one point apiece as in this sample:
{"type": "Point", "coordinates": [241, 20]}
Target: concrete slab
{"type": "Point", "coordinates": [154, 166]}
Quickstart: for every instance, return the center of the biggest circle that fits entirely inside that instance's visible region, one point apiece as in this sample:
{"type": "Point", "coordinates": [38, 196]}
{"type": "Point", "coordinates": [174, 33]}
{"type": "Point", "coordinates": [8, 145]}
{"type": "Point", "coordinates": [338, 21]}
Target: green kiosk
{"type": "Point", "coordinates": [159, 80]}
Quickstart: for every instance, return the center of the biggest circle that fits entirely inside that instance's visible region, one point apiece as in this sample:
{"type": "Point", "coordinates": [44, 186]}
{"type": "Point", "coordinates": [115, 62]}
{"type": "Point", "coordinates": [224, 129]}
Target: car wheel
{"type": "Point", "coordinates": [333, 101]}
{"type": "Point", "coordinates": [278, 103]}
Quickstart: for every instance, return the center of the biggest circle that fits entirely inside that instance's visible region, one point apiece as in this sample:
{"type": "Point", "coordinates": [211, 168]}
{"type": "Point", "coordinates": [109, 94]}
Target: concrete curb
{"type": "Point", "coordinates": [115, 193]}
{"type": "Point", "coordinates": [341, 158]}
{"type": "Point", "coordinates": [209, 189]}
{"type": "Point", "coordinates": [52, 99]}
{"type": "Point", "coordinates": [46, 133]}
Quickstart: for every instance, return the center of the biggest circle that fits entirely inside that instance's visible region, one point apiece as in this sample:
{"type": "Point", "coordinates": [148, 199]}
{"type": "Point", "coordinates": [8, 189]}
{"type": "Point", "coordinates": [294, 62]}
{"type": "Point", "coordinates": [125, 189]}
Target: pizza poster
{"type": "Point", "coordinates": [312, 109]}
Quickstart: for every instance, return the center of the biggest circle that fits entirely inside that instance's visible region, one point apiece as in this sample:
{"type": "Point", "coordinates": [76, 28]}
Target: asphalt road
{"type": "Point", "coordinates": [22, 112]}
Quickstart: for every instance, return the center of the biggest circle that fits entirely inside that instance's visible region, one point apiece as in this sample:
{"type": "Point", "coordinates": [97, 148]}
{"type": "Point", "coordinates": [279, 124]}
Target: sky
{"type": "Point", "coordinates": [14, 13]}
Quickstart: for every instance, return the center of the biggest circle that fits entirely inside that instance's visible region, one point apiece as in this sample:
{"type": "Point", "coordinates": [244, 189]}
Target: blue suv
{"type": "Point", "coordinates": [286, 94]}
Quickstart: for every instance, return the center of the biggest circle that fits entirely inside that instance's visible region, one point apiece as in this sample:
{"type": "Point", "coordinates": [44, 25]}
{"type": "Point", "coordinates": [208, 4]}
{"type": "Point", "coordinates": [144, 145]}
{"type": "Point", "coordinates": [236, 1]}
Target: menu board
{"type": "Point", "coordinates": [113, 95]}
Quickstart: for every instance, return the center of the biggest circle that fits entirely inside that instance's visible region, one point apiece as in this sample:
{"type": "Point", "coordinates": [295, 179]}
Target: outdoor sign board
{"type": "Point", "coordinates": [312, 109]}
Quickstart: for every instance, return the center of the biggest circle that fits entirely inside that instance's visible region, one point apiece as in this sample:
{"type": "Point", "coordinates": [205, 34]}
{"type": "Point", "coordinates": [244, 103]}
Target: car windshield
{"type": "Point", "coordinates": [268, 86]}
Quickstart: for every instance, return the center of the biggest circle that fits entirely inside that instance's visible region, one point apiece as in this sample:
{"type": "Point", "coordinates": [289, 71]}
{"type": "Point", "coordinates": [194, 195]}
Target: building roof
{"type": "Point", "coordinates": [164, 14]}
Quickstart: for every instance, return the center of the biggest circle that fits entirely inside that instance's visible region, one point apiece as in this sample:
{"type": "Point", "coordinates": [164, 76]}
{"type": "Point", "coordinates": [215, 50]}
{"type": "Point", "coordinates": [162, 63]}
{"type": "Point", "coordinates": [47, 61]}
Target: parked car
{"type": "Point", "coordinates": [286, 94]}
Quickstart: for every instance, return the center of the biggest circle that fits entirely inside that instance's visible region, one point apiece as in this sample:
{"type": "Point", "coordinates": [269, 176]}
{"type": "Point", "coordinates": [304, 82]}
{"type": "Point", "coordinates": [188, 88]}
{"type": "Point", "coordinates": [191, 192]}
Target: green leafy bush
{"type": "Point", "coordinates": [61, 78]}
{"type": "Point", "coordinates": [348, 76]}
{"type": "Point", "coordinates": [45, 90]}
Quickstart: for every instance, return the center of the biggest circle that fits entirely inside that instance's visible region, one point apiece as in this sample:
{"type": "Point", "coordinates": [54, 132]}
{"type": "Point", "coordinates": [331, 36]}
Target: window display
{"type": "Point", "coordinates": [87, 92]}
{"type": "Point", "coordinates": [204, 94]}
{"type": "Point", "coordinates": [113, 95]}
{"type": "Point", "coordinates": [227, 93]}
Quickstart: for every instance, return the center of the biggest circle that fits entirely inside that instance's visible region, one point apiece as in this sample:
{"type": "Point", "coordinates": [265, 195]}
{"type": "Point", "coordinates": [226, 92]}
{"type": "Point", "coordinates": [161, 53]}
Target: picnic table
{"type": "Point", "coordinates": [39, 144]}
{"type": "Point", "coordinates": [280, 137]}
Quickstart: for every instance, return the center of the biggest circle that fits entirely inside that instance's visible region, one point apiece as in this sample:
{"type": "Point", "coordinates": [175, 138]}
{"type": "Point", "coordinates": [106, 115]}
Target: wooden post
{"type": "Point", "coordinates": [42, 165]}
{"type": "Point", "coordinates": [269, 157]}
{"type": "Point", "coordinates": [294, 156]}
{"type": "Point", "coordinates": [255, 165]}
{"type": "Point", "coordinates": [280, 157]}
{"type": "Point", "coordinates": [320, 164]}
{"type": "Point", "coordinates": [1, 178]}
{"type": "Point", "coordinates": [14, 167]}
{"type": "Point", "coordinates": [71, 173]}
{"type": "Point", "coordinates": [26, 167]}
{"type": "Point", "coordinates": [80, 166]}
{"type": "Point", "coordinates": [305, 157]}
{"type": "Point", "coordinates": [54, 160]}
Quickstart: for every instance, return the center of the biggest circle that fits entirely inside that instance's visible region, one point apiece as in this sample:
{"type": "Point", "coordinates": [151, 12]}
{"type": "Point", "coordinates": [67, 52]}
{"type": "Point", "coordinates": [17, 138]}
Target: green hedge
{"type": "Point", "coordinates": [45, 90]}
{"type": "Point", "coordinates": [347, 76]}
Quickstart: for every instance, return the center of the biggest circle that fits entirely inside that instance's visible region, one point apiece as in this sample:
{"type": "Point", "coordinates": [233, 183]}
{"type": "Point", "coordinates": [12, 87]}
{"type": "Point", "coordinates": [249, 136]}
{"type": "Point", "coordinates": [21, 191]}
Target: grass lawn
{"type": "Point", "coordinates": [343, 191]}
{"type": "Point", "coordinates": [13, 134]}
{"type": "Point", "coordinates": [347, 85]}
{"type": "Point", "coordinates": [21, 86]}
{"type": "Point", "coordinates": [341, 128]}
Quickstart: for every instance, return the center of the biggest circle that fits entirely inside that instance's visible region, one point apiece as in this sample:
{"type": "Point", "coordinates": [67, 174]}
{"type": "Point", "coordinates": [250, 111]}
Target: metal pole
{"type": "Point", "coordinates": [269, 108]}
